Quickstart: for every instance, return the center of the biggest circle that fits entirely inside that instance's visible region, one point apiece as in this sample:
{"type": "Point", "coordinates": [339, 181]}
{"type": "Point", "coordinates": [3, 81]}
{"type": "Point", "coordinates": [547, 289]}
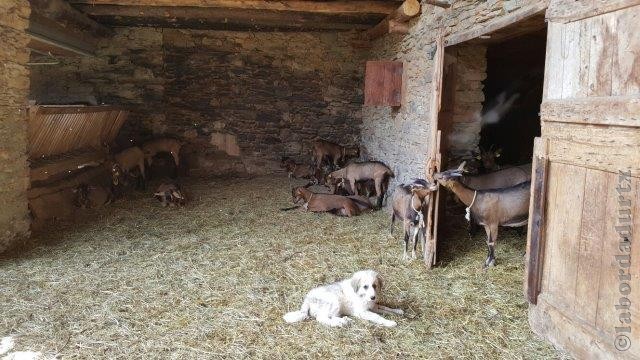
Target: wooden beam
{"type": "Point", "coordinates": [618, 111]}
{"type": "Point", "coordinates": [45, 171]}
{"type": "Point", "coordinates": [408, 9]}
{"type": "Point", "coordinates": [226, 19]}
{"type": "Point", "coordinates": [497, 24]}
{"type": "Point", "coordinates": [322, 7]}
{"type": "Point", "coordinates": [69, 17]}
{"type": "Point", "coordinates": [440, 3]}
{"type": "Point", "coordinates": [47, 32]}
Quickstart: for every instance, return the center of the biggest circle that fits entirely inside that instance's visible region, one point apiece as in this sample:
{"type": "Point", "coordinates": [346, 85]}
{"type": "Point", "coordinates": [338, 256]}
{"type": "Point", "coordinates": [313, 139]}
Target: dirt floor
{"type": "Point", "coordinates": [213, 279]}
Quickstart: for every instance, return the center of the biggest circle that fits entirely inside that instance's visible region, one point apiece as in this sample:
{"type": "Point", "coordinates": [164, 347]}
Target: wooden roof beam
{"type": "Point", "coordinates": [319, 7]}
{"type": "Point", "coordinates": [227, 19]}
{"type": "Point", "coordinates": [393, 22]}
{"type": "Point", "coordinates": [69, 17]}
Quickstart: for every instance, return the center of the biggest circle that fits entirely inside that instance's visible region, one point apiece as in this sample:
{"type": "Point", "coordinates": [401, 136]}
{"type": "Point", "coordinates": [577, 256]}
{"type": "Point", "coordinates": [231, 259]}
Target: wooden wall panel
{"type": "Point", "coordinates": [564, 229]}
{"type": "Point", "coordinates": [55, 130]}
{"type": "Point", "coordinates": [554, 65]}
{"type": "Point", "coordinates": [383, 83]}
{"type": "Point", "coordinates": [590, 245]}
{"type": "Point", "coordinates": [626, 59]}
{"type": "Point", "coordinates": [601, 55]}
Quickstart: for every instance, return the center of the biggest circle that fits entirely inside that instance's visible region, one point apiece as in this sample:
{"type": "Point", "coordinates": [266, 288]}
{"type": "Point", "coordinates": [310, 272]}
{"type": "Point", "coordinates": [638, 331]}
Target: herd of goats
{"type": "Point", "coordinates": [499, 197]}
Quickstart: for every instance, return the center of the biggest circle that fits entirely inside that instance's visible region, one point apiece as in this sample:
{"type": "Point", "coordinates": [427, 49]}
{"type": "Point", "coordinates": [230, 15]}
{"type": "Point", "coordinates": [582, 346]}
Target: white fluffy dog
{"type": "Point", "coordinates": [356, 296]}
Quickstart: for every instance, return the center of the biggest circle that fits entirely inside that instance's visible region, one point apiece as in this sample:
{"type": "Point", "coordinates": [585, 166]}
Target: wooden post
{"type": "Point", "coordinates": [393, 22]}
{"type": "Point", "coordinates": [434, 162]}
{"type": "Point", "coordinates": [535, 238]}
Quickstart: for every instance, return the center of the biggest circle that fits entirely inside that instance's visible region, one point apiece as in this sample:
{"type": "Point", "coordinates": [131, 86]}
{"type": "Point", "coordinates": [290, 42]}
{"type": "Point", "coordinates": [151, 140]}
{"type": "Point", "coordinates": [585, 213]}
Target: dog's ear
{"type": "Point", "coordinates": [379, 282]}
{"type": "Point", "coordinates": [355, 281]}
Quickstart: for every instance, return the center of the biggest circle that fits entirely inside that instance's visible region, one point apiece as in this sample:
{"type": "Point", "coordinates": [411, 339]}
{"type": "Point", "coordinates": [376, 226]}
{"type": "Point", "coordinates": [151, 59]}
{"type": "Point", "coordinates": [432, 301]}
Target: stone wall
{"type": "Point", "coordinates": [14, 88]}
{"type": "Point", "coordinates": [241, 100]}
{"type": "Point", "coordinates": [400, 137]}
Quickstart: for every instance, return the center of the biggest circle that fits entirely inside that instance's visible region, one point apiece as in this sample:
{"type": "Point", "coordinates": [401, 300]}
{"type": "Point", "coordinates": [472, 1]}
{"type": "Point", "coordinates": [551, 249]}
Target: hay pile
{"type": "Point", "coordinates": [213, 279]}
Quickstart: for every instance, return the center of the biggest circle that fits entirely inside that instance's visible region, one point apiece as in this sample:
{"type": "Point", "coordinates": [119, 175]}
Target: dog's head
{"type": "Point", "coordinates": [367, 284]}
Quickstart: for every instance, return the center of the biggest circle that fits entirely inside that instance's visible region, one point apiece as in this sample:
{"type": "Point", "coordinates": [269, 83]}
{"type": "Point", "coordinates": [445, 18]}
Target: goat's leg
{"type": "Point", "coordinates": [492, 236]}
{"type": "Point", "coordinates": [143, 181]}
{"type": "Point", "coordinates": [354, 189]}
{"type": "Point", "coordinates": [379, 193]}
{"type": "Point", "coordinates": [406, 243]}
{"type": "Point", "coordinates": [416, 229]}
{"type": "Point", "coordinates": [472, 229]}
{"type": "Point", "coordinates": [393, 220]}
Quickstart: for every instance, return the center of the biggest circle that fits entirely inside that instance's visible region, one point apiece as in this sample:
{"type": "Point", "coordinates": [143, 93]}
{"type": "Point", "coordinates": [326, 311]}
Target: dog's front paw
{"type": "Point", "coordinates": [389, 323]}
{"type": "Point", "coordinates": [398, 311]}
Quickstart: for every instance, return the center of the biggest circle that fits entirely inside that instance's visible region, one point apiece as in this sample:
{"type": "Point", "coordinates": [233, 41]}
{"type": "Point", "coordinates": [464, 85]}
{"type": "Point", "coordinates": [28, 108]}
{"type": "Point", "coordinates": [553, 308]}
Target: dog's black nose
{"type": "Point", "coordinates": [373, 298]}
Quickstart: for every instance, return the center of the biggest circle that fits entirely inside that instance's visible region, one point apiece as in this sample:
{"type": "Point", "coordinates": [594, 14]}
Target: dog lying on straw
{"type": "Point", "coordinates": [357, 296]}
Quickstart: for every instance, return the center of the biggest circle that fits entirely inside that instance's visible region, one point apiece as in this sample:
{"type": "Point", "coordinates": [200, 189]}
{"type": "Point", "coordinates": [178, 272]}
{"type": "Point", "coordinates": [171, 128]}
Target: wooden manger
{"type": "Point", "coordinates": [68, 145]}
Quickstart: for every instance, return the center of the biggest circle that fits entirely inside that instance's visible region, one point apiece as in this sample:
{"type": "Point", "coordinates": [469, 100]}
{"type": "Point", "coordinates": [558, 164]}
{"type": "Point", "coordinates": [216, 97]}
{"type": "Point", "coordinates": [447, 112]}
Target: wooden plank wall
{"type": "Point", "coordinates": [591, 125]}
{"type": "Point", "coordinates": [383, 83]}
{"type": "Point", "coordinates": [55, 130]}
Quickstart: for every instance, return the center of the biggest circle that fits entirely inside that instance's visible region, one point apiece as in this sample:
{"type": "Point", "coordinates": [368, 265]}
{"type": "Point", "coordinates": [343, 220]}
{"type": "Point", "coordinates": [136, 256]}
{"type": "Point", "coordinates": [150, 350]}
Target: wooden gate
{"type": "Point", "coordinates": [583, 278]}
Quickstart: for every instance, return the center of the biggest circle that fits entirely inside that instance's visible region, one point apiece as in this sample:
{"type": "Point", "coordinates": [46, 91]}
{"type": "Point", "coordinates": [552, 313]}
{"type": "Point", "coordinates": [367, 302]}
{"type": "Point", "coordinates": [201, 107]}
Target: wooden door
{"type": "Point", "coordinates": [585, 188]}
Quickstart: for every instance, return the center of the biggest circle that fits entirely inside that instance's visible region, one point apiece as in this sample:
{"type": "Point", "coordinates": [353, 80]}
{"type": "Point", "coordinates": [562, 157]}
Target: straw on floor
{"type": "Point", "coordinates": [213, 279]}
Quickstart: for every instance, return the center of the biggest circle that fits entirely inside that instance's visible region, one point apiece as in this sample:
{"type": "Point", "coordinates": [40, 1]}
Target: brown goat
{"type": "Point", "coordinates": [498, 179]}
{"type": "Point", "coordinates": [298, 171]}
{"type": "Point", "coordinates": [92, 196]}
{"type": "Point", "coordinates": [332, 153]}
{"type": "Point", "coordinates": [409, 204]}
{"type": "Point", "coordinates": [370, 170]}
{"type": "Point", "coordinates": [339, 205]}
{"type": "Point", "coordinates": [168, 145]}
{"type": "Point", "coordinates": [491, 208]}
{"type": "Point", "coordinates": [124, 162]}
{"type": "Point", "coordinates": [488, 158]}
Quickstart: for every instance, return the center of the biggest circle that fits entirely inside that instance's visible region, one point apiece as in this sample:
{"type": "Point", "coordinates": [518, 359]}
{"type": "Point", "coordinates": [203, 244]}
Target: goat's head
{"type": "Point", "coordinates": [81, 196]}
{"type": "Point", "coordinates": [352, 152]}
{"type": "Point", "coordinates": [448, 177]}
{"type": "Point", "coordinates": [287, 163]}
{"type": "Point", "coordinates": [297, 194]}
{"type": "Point", "coordinates": [116, 174]}
{"type": "Point", "coordinates": [489, 158]}
{"type": "Point", "coordinates": [420, 190]}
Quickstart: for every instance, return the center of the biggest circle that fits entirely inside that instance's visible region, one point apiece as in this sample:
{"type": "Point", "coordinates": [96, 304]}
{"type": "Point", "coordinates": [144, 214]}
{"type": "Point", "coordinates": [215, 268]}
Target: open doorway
{"type": "Point", "coordinates": [491, 96]}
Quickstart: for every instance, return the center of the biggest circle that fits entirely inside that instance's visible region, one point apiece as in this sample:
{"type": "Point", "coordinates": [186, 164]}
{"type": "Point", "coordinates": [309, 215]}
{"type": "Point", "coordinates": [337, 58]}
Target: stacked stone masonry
{"type": "Point", "coordinates": [241, 100]}
{"type": "Point", "coordinates": [14, 90]}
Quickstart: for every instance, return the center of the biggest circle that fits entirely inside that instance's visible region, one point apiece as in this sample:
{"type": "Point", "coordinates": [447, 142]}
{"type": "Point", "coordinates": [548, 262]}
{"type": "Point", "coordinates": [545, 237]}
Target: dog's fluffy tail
{"type": "Point", "coordinates": [295, 316]}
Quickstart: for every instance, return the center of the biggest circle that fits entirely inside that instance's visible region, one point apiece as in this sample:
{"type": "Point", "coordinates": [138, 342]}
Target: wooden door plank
{"type": "Point", "coordinates": [552, 220]}
{"type": "Point", "coordinates": [601, 54]}
{"type": "Point", "coordinates": [571, 60]}
{"type": "Point", "coordinates": [535, 238]}
{"type": "Point", "coordinates": [626, 61]}
{"type": "Point", "coordinates": [567, 238]}
{"type": "Point", "coordinates": [553, 64]}
{"type": "Point", "coordinates": [590, 246]}
{"type": "Point", "coordinates": [594, 134]}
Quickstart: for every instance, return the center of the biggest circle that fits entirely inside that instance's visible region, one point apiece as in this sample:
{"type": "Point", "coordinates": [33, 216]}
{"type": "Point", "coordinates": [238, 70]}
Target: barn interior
{"type": "Point", "coordinates": [492, 91]}
{"type": "Point", "coordinates": [241, 87]}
